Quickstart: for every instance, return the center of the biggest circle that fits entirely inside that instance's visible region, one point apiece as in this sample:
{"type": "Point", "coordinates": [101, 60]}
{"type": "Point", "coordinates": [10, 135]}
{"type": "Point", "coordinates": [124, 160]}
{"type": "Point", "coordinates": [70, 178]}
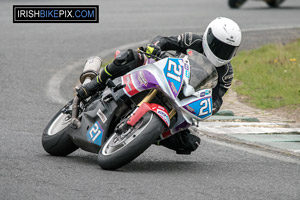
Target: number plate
{"type": "Point", "coordinates": [174, 74]}
{"type": "Point", "coordinates": [94, 134]}
{"type": "Point", "coordinates": [201, 108]}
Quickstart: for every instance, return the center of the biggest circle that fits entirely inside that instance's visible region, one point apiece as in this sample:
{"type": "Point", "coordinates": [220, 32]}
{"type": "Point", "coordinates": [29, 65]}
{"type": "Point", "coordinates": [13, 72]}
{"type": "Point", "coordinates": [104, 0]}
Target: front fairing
{"type": "Point", "coordinates": [171, 76]}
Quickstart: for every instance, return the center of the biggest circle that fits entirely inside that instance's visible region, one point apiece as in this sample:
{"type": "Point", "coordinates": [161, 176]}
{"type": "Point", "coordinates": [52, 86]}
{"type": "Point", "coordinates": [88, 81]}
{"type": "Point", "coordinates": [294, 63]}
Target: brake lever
{"type": "Point", "coordinates": [147, 54]}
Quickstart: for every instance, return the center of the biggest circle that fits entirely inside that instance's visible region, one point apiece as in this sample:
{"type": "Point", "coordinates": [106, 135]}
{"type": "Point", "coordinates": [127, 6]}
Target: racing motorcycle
{"type": "Point", "coordinates": [239, 3]}
{"type": "Point", "coordinates": [146, 105]}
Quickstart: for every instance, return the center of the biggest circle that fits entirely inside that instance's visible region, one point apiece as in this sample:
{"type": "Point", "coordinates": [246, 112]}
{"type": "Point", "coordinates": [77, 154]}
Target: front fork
{"type": "Point", "coordinates": [144, 106]}
{"type": "Point", "coordinates": [150, 96]}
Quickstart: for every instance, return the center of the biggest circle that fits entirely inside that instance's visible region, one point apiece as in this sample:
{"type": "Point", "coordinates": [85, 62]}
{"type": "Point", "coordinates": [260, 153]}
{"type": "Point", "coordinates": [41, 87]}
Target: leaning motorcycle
{"type": "Point", "coordinates": [239, 3]}
{"type": "Point", "coordinates": [144, 106]}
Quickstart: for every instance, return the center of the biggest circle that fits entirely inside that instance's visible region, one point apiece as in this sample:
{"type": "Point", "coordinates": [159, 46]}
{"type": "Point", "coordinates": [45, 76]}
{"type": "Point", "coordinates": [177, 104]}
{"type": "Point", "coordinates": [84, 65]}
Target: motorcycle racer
{"type": "Point", "coordinates": [219, 44]}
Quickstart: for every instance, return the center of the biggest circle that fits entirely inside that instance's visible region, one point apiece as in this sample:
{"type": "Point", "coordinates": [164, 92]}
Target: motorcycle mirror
{"type": "Point", "coordinates": [188, 90]}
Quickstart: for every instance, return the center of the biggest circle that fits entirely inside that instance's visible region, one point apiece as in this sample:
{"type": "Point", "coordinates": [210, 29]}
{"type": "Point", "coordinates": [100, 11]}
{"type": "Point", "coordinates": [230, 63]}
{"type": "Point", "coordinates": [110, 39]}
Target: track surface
{"type": "Point", "coordinates": [31, 54]}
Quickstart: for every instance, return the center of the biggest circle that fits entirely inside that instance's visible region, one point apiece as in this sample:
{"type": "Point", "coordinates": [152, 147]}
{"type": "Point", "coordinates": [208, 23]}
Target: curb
{"type": "Point", "coordinates": [233, 140]}
{"type": "Point", "coordinates": [228, 116]}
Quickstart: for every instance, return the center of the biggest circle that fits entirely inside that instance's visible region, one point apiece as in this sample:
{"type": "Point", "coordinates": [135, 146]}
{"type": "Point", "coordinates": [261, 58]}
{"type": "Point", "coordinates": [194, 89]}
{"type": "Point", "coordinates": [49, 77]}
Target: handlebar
{"type": "Point", "coordinates": [147, 54]}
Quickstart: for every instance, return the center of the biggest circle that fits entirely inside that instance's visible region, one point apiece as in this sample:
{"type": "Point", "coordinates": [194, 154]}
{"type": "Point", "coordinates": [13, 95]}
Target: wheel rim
{"type": "Point", "coordinates": [61, 122]}
{"type": "Point", "coordinates": [115, 143]}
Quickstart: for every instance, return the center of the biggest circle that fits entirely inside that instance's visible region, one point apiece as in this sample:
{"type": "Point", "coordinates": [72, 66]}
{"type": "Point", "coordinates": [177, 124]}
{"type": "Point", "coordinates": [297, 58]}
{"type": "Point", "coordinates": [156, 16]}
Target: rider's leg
{"type": "Point", "coordinates": [183, 142]}
{"type": "Point", "coordinates": [122, 64]}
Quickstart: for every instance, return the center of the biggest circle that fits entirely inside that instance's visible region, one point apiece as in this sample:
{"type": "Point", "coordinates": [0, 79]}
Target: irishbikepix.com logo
{"type": "Point", "coordinates": [55, 14]}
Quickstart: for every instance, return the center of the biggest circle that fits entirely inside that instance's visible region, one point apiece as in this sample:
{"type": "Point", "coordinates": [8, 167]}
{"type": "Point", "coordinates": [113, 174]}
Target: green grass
{"type": "Point", "coordinates": [269, 76]}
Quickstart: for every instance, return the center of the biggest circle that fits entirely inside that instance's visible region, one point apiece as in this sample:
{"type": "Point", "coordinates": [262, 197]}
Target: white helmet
{"type": "Point", "coordinates": [221, 41]}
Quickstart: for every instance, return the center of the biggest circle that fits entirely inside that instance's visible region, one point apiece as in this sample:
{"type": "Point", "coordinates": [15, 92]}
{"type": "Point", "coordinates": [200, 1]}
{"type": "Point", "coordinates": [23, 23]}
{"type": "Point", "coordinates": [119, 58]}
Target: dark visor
{"type": "Point", "coordinates": [220, 49]}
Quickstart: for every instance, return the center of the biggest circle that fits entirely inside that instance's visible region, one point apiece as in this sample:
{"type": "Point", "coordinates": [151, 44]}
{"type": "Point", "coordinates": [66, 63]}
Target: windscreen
{"type": "Point", "coordinates": [203, 73]}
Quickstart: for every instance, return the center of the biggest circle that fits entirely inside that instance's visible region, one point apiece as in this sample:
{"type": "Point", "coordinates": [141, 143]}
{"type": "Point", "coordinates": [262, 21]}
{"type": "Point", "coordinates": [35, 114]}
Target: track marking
{"type": "Point", "coordinates": [258, 152]}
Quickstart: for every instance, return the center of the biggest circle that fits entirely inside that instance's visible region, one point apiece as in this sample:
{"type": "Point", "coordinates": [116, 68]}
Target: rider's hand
{"type": "Point", "coordinates": [85, 91]}
{"type": "Point", "coordinates": [153, 49]}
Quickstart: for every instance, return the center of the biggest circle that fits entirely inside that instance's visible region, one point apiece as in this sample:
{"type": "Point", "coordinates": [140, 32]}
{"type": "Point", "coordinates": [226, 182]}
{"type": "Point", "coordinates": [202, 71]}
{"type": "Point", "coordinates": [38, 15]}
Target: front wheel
{"type": "Point", "coordinates": [122, 148]}
{"type": "Point", "coordinates": [55, 139]}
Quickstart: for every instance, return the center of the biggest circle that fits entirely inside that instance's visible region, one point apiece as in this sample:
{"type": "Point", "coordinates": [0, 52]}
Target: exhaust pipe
{"type": "Point", "coordinates": [91, 69]}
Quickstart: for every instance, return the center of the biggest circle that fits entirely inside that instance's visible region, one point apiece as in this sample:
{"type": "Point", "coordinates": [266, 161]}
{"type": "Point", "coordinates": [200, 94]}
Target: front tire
{"type": "Point", "coordinates": [117, 151]}
{"type": "Point", "coordinates": [55, 139]}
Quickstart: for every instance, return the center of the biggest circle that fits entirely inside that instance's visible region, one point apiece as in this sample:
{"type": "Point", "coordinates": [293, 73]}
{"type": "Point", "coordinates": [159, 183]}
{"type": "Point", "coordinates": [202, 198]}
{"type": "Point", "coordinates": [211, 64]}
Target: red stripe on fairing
{"type": "Point", "coordinates": [130, 89]}
{"type": "Point", "coordinates": [143, 109]}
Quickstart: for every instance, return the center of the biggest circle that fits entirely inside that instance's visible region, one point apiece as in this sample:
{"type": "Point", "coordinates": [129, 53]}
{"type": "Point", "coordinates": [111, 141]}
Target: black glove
{"type": "Point", "coordinates": [153, 49]}
{"type": "Point", "coordinates": [87, 90]}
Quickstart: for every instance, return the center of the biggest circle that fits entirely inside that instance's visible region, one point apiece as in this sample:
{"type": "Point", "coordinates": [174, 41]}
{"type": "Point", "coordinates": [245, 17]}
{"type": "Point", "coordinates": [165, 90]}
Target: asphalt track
{"type": "Point", "coordinates": [32, 54]}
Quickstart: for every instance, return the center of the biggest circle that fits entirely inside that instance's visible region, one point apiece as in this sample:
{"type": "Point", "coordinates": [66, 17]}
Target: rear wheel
{"type": "Point", "coordinates": [121, 148]}
{"type": "Point", "coordinates": [236, 3]}
{"type": "Point", "coordinates": [274, 3]}
{"type": "Point", "coordinates": [55, 139]}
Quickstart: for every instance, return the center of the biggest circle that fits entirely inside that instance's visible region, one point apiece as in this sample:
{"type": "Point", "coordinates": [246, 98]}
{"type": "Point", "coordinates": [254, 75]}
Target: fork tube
{"type": "Point", "coordinates": [172, 113]}
{"type": "Point", "coordinates": [149, 97]}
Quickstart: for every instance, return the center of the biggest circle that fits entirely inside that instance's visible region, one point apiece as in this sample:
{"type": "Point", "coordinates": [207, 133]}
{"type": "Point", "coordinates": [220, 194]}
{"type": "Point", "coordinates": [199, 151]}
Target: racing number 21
{"type": "Point", "coordinates": [205, 107]}
{"type": "Point", "coordinates": [177, 69]}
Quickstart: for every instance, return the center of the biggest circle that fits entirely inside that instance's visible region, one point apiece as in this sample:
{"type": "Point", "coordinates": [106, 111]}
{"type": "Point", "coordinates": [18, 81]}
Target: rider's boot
{"type": "Point", "coordinates": [96, 84]}
{"type": "Point", "coordinates": [183, 142]}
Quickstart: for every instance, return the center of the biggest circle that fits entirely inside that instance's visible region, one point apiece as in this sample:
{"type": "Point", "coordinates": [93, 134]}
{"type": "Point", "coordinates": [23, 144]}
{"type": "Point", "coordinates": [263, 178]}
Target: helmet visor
{"type": "Point", "coordinates": [220, 49]}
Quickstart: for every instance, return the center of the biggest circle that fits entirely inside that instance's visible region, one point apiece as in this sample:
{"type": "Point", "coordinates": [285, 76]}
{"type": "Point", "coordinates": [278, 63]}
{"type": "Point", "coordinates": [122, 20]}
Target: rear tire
{"type": "Point", "coordinates": [274, 3]}
{"type": "Point", "coordinates": [236, 3]}
{"type": "Point", "coordinates": [55, 139]}
{"type": "Point", "coordinates": [114, 154]}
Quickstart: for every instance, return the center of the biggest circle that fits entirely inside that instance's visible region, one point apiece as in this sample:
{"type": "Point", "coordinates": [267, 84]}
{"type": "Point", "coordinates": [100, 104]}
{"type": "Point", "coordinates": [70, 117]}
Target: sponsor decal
{"type": "Point", "coordinates": [187, 73]}
{"type": "Point", "coordinates": [128, 80]}
{"type": "Point", "coordinates": [189, 108]}
{"type": "Point", "coordinates": [142, 79]}
{"type": "Point", "coordinates": [94, 134]}
{"type": "Point", "coordinates": [160, 107]}
{"type": "Point", "coordinates": [202, 94]}
{"type": "Point", "coordinates": [56, 13]}
{"type": "Point", "coordinates": [130, 89]}
{"type": "Point", "coordinates": [187, 70]}
{"type": "Point", "coordinates": [231, 39]}
{"type": "Point", "coordinates": [101, 116]}
{"type": "Point", "coordinates": [207, 92]}
{"type": "Point", "coordinates": [164, 116]}
{"type": "Point", "coordinates": [186, 66]}
{"type": "Point", "coordinates": [173, 88]}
